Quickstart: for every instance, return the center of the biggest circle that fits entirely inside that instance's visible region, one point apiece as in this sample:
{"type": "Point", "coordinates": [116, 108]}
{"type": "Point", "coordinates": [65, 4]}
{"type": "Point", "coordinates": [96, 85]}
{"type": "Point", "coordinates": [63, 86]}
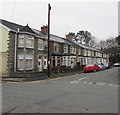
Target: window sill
{"type": "Point", "coordinates": [30, 47]}
{"type": "Point", "coordinates": [20, 46]}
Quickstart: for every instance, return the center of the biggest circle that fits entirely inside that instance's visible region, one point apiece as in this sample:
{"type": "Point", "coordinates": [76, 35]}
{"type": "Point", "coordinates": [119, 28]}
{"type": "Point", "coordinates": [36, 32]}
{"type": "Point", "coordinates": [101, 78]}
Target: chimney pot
{"type": "Point", "coordinates": [44, 29]}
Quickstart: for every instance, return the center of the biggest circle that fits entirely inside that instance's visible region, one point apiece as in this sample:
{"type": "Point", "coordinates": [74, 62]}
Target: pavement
{"type": "Point", "coordinates": [28, 79]}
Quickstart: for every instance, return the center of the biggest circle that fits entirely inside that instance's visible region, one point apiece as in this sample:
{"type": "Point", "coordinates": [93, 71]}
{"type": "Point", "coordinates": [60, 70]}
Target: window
{"type": "Point", "coordinates": [40, 44]}
{"type": "Point", "coordinates": [45, 45]}
{"type": "Point", "coordinates": [21, 41]}
{"type": "Point", "coordinates": [85, 52]}
{"type": "Point", "coordinates": [29, 42]}
{"type": "Point", "coordinates": [65, 49]}
{"type": "Point", "coordinates": [56, 45]}
{"type": "Point", "coordinates": [72, 50]}
{"type": "Point", "coordinates": [29, 62]}
{"type": "Point", "coordinates": [79, 51]}
{"type": "Point", "coordinates": [20, 62]}
{"type": "Point", "coordinates": [88, 52]}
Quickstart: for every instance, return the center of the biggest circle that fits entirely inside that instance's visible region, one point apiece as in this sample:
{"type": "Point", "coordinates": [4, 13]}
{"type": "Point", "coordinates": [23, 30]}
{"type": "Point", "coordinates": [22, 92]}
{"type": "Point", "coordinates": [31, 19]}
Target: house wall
{"type": "Point", "coordinates": [3, 50]}
{"type": "Point", "coordinates": [11, 51]}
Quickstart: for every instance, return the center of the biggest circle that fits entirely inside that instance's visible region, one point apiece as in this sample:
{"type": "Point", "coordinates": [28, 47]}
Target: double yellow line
{"type": "Point", "coordinates": [38, 80]}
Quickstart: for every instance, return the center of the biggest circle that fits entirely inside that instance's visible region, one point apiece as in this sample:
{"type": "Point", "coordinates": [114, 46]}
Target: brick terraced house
{"type": "Point", "coordinates": [23, 51]}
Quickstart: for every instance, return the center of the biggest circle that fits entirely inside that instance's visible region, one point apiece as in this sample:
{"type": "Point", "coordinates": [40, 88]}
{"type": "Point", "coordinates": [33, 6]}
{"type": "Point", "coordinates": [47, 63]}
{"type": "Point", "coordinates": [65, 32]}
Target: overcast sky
{"type": "Point", "coordinates": [99, 17]}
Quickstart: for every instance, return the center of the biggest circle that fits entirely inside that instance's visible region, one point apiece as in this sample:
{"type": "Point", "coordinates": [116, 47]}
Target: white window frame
{"type": "Point", "coordinates": [79, 51]}
{"type": "Point", "coordinates": [65, 48]}
{"type": "Point", "coordinates": [85, 52]}
{"type": "Point", "coordinates": [20, 56]}
{"type": "Point", "coordinates": [40, 44]}
{"type": "Point", "coordinates": [57, 47]}
{"type": "Point", "coordinates": [88, 52]}
{"type": "Point", "coordinates": [45, 45]}
{"type": "Point", "coordinates": [29, 58]}
{"type": "Point", "coordinates": [71, 49]}
{"type": "Point", "coordinates": [22, 37]}
{"type": "Point", "coordinates": [32, 41]}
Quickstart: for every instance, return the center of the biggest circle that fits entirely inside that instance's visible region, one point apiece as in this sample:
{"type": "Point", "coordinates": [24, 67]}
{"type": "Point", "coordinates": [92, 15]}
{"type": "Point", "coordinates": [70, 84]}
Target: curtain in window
{"type": "Point", "coordinates": [20, 62]}
{"type": "Point", "coordinates": [29, 59]}
{"type": "Point", "coordinates": [21, 42]}
{"type": "Point", "coordinates": [29, 43]}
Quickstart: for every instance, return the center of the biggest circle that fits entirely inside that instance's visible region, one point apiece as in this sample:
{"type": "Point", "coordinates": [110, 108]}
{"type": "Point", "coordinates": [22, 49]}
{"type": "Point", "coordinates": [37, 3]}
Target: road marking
{"type": "Point", "coordinates": [93, 83]}
{"type": "Point", "coordinates": [77, 81]}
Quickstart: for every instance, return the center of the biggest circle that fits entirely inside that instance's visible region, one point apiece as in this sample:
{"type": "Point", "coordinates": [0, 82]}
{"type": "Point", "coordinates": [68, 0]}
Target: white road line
{"type": "Point", "coordinates": [77, 81]}
{"type": "Point", "coordinates": [93, 83]}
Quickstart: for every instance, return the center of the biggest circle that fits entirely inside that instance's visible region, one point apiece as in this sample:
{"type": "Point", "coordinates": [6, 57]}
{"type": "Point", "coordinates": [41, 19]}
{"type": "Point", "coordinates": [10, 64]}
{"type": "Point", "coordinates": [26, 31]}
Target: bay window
{"type": "Point", "coordinates": [20, 62]}
{"type": "Point", "coordinates": [21, 41]}
{"type": "Point", "coordinates": [29, 42]}
{"type": "Point", "coordinates": [29, 61]}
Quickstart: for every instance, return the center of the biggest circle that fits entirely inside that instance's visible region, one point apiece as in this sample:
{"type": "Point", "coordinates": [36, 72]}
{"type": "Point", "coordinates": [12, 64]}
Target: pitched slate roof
{"type": "Point", "coordinates": [14, 27]}
{"type": "Point", "coordinates": [11, 25]}
{"type": "Point", "coordinates": [27, 29]}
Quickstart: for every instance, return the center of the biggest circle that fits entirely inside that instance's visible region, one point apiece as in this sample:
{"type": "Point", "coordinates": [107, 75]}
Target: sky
{"type": "Point", "coordinates": [99, 17]}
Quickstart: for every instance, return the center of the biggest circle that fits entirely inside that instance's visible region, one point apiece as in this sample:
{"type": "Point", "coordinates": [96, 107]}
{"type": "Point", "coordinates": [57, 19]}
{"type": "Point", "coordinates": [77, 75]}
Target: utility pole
{"type": "Point", "coordinates": [49, 8]}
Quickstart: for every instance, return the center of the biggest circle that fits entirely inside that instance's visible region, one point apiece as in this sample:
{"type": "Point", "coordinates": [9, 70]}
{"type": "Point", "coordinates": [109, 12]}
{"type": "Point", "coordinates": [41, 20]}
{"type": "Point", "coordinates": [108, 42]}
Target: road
{"type": "Point", "coordinates": [94, 92]}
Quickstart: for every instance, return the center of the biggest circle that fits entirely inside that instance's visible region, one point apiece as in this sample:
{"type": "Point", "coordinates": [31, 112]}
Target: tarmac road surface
{"type": "Point", "coordinates": [94, 92]}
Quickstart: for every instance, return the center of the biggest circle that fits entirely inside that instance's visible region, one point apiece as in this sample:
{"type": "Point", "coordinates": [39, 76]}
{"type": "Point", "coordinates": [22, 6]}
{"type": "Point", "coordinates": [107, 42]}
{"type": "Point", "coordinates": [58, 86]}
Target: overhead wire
{"type": "Point", "coordinates": [13, 9]}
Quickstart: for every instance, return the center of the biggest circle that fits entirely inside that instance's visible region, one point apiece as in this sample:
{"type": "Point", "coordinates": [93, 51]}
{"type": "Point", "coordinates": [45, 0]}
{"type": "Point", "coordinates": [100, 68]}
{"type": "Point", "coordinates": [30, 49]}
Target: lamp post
{"type": "Point", "coordinates": [49, 8]}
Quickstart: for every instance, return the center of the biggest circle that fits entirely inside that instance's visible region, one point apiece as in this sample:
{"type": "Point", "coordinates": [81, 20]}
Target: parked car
{"type": "Point", "coordinates": [91, 67]}
{"type": "Point", "coordinates": [101, 65]}
{"type": "Point", "coordinates": [116, 64]}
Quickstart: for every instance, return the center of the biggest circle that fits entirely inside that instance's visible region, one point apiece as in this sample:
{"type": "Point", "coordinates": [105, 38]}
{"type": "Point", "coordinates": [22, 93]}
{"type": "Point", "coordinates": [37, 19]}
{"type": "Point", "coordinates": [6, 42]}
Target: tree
{"type": "Point", "coordinates": [84, 37]}
{"type": "Point", "coordinates": [111, 46]}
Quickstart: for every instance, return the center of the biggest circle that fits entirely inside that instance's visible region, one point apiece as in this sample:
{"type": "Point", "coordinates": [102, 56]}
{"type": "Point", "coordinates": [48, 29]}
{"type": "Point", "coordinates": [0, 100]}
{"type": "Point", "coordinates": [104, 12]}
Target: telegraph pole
{"type": "Point", "coordinates": [49, 8]}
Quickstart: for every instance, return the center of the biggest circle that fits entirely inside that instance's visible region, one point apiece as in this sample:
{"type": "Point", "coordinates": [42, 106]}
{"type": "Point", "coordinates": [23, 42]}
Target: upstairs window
{"type": "Point", "coordinates": [21, 41]}
{"type": "Point", "coordinates": [56, 47]}
{"type": "Point", "coordinates": [40, 44]}
{"type": "Point", "coordinates": [29, 42]}
{"type": "Point", "coordinates": [72, 50]}
{"type": "Point", "coordinates": [85, 53]}
{"type": "Point", "coordinates": [79, 51]}
{"type": "Point", "coordinates": [45, 45]}
{"type": "Point", "coordinates": [65, 49]}
{"type": "Point", "coordinates": [88, 52]}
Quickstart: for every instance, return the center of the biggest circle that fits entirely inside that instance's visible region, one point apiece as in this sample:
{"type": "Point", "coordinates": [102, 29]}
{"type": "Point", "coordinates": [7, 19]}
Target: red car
{"type": "Point", "coordinates": [91, 67]}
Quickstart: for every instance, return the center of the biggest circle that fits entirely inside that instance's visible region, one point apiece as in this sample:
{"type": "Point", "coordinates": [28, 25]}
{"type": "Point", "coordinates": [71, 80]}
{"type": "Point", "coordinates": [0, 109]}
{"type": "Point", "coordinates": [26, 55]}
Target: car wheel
{"type": "Point", "coordinates": [94, 70]}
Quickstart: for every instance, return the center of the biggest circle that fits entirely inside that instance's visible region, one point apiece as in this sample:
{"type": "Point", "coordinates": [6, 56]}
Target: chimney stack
{"type": "Point", "coordinates": [44, 29]}
{"type": "Point", "coordinates": [70, 36]}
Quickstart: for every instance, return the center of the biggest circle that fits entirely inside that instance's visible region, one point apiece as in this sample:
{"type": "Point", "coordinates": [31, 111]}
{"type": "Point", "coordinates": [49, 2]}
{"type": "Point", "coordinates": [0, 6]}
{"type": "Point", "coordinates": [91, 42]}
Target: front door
{"type": "Point", "coordinates": [45, 62]}
{"type": "Point", "coordinates": [39, 63]}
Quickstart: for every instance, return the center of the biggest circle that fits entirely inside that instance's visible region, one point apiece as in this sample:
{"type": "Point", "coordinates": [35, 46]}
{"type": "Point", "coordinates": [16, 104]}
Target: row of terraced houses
{"type": "Point", "coordinates": [24, 50]}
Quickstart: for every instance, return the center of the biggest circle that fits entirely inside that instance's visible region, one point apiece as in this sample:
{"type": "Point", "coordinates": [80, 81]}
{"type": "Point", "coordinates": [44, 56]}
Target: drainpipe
{"type": "Point", "coordinates": [16, 36]}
